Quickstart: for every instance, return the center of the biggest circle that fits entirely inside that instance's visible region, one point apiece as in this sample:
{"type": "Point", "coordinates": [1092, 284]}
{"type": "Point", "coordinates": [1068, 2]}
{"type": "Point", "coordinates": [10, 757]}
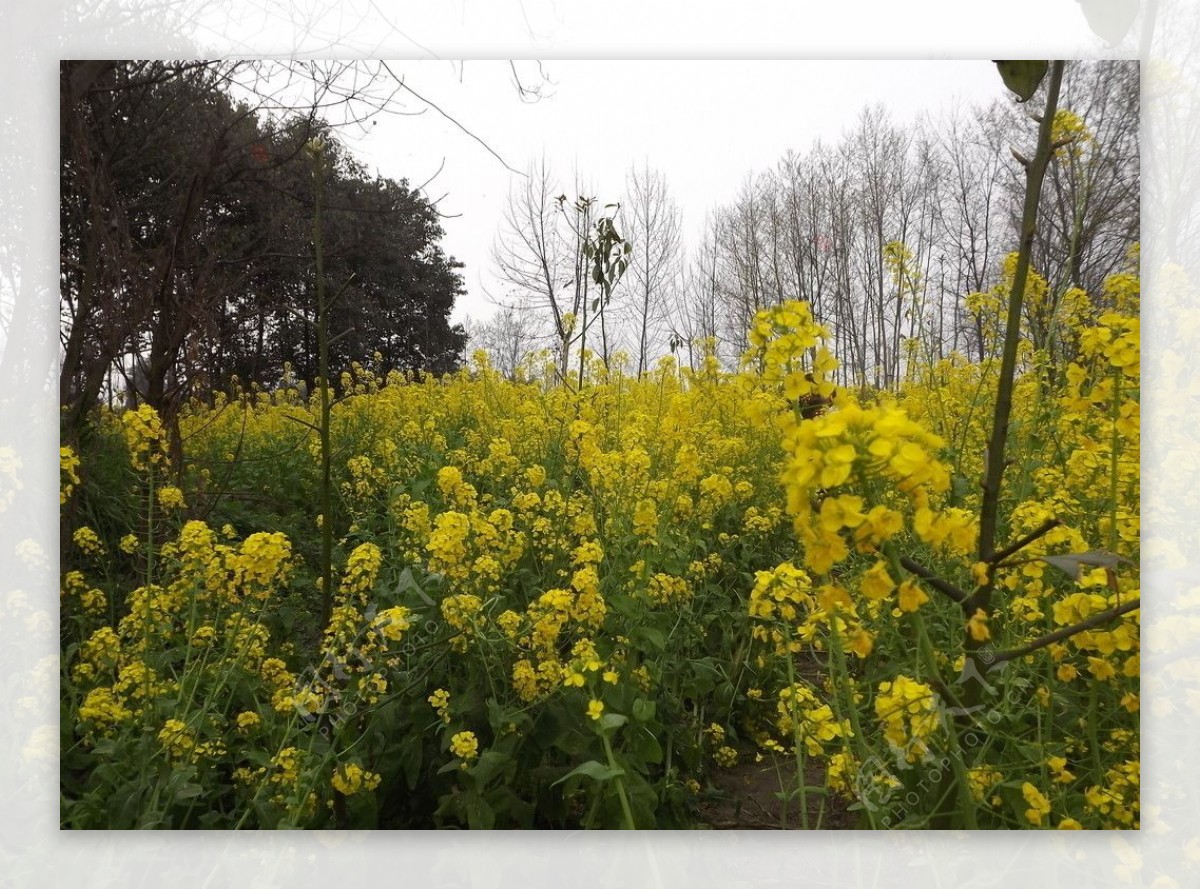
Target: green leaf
{"type": "Point", "coordinates": [625, 606]}
{"type": "Point", "coordinates": [497, 716]}
{"type": "Point", "coordinates": [705, 676]}
{"type": "Point", "coordinates": [412, 754]}
{"type": "Point", "coordinates": [480, 815]}
{"type": "Point", "coordinates": [643, 710]}
{"type": "Point", "coordinates": [653, 636]}
{"type": "Point", "coordinates": [593, 769]}
{"type": "Point", "coordinates": [491, 764]}
{"type": "Point", "coordinates": [613, 721]}
{"type": "Point", "coordinates": [644, 746]}
{"type": "Point", "coordinates": [1021, 76]}
{"type": "Point", "coordinates": [188, 791]}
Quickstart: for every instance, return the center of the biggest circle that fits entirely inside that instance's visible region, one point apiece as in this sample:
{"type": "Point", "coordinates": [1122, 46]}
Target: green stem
{"type": "Point", "coordinates": [149, 579]}
{"type": "Point", "coordinates": [989, 510]}
{"type": "Point", "coordinates": [1035, 173]}
{"type": "Point", "coordinates": [1115, 450]}
{"type": "Point", "coordinates": [1093, 735]}
{"type": "Point", "coordinates": [797, 751]}
{"type": "Point", "coordinates": [150, 526]}
{"type": "Point", "coordinates": [843, 685]}
{"type": "Point", "coordinates": [961, 780]}
{"type": "Point", "coordinates": [323, 371]}
{"type": "Point", "coordinates": [612, 762]}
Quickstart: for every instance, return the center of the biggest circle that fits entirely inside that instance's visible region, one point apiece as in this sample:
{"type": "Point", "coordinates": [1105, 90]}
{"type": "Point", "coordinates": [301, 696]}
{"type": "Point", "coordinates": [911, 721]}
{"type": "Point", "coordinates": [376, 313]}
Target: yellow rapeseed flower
{"type": "Point", "coordinates": [350, 778]}
{"type": "Point", "coordinates": [170, 497]}
{"type": "Point", "coordinates": [977, 626]}
{"type": "Point", "coordinates": [911, 597]}
{"type": "Point", "coordinates": [1039, 806]}
{"type": "Point", "coordinates": [464, 745]}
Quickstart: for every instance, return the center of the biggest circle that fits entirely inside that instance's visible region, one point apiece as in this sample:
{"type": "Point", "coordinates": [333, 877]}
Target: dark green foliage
{"type": "Point", "coordinates": [186, 243]}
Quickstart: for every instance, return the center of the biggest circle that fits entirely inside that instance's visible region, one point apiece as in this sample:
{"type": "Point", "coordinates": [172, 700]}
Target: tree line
{"type": "Point", "coordinates": [186, 234]}
{"type": "Point", "coordinates": [886, 234]}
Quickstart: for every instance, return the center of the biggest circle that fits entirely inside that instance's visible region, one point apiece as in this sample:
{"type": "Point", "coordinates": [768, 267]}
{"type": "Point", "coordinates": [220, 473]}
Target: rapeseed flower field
{"type": "Point", "coordinates": [566, 604]}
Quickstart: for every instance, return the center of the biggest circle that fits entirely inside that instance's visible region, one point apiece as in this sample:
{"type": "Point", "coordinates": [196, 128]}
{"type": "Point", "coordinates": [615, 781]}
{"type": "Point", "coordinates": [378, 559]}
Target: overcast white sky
{"type": "Point", "coordinates": [705, 124]}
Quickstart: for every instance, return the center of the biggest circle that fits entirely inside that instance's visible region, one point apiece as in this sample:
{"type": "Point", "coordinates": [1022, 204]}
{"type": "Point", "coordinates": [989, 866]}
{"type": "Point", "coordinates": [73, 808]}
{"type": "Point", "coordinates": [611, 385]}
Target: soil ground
{"type": "Point", "coordinates": [747, 797]}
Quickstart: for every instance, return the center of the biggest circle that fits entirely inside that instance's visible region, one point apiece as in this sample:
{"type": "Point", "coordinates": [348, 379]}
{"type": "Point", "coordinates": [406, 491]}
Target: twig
{"type": "Point", "coordinates": [1064, 632]}
{"type": "Point", "coordinates": [939, 584]}
{"type": "Point", "coordinates": [1045, 528]}
{"type": "Point", "coordinates": [451, 119]}
{"type": "Point", "coordinates": [302, 422]}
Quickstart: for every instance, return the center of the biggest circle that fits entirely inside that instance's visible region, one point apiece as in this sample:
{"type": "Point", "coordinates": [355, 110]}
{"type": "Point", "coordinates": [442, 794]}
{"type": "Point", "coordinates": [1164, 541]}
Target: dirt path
{"type": "Point", "coordinates": [747, 797]}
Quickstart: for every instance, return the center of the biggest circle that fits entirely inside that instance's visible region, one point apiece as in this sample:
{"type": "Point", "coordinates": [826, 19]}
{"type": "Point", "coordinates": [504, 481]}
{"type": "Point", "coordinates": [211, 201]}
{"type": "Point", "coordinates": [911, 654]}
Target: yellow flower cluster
{"type": "Point", "coordinates": [102, 709]}
{"type": "Point", "coordinates": [877, 449]}
{"type": "Point", "coordinates": [284, 772]}
{"type": "Point", "coordinates": [91, 599]}
{"type": "Point", "coordinates": [1117, 802]}
{"type": "Point", "coordinates": [263, 562]}
{"type": "Point", "coordinates": [789, 613]}
{"type": "Point", "coordinates": [804, 717]}
{"type": "Point", "coordinates": [462, 612]}
{"type": "Point", "coordinates": [191, 612]}
{"type": "Point", "coordinates": [176, 739]}
{"type": "Point", "coordinates": [908, 710]}
{"type": "Point", "coordinates": [476, 549]}
{"type": "Point", "coordinates": [170, 497]}
{"type": "Point", "coordinates": [392, 623]}
{"type": "Point", "coordinates": [1039, 806]}
{"type": "Point", "coordinates": [783, 597]}
{"type": "Point", "coordinates": [664, 589]}
{"type": "Point", "coordinates": [440, 700]}
{"type": "Point", "coordinates": [457, 492]}
{"type": "Point", "coordinates": [645, 520]}
{"type": "Point", "coordinates": [68, 473]}
{"type": "Point", "coordinates": [350, 778]}
{"type": "Point", "coordinates": [247, 721]}
{"type": "Point", "coordinates": [362, 568]}
{"type": "Point", "coordinates": [88, 541]}
{"type": "Point", "coordinates": [726, 757]}
{"type": "Point", "coordinates": [464, 745]}
{"type": "Point", "coordinates": [366, 479]}
{"type": "Point", "coordinates": [982, 779]}
{"type": "Point", "coordinates": [780, 336]}
{"type": "Point", "coordinates": [145, 438]}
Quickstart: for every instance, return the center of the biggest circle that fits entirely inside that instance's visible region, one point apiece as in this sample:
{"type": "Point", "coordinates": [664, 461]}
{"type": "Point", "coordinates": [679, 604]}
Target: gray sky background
{"type": "Point", "coordinates": [706, 124]}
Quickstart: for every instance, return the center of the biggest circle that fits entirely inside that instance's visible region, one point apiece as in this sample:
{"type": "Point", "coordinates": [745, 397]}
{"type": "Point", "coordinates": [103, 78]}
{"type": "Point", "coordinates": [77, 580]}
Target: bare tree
{"type": "Point", "coordinates": [552, 251]}
{"type": "Point", "coordinates": [971, 218]}
{"type": "Point", "coordinates": [653, 227]}
{"type": "Point", "coordinates": [1091, 215]}
{"type": "Point", "coordinates": [744, 262]}
{"type": "Point", "coordinates": [532, 257]}
{"type": "Point", "coordinates": [693, 313]}
{"type": "Point", "coordinates": [508, 337]}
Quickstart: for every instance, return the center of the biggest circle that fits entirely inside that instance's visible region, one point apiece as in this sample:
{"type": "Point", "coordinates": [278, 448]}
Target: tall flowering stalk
{"type": "Point", "coordinates": [1035, 172]}
{"type": "Point", "coordinates": [316, 152]}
